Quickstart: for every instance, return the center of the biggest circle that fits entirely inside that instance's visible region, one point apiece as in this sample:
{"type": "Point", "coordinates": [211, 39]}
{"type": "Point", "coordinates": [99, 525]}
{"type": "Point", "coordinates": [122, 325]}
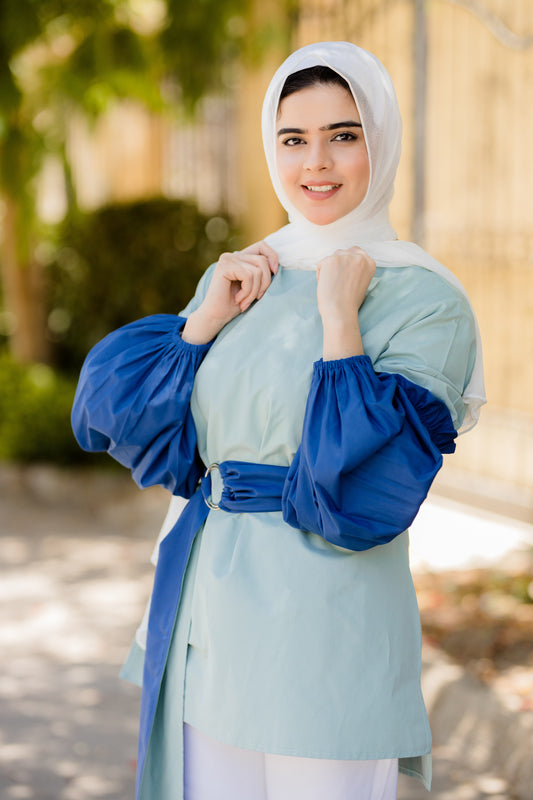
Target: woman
{"type": "Point", "coordinates": [318, 375]}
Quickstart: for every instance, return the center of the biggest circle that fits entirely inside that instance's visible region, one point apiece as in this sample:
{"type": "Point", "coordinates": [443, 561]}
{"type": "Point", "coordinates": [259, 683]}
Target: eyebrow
{"type": "Point", "coordinates": [350, 123]}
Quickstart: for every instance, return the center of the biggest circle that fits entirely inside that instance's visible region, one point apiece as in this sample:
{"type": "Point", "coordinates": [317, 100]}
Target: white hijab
{"type": "Point", "coordinates": [301, 244]}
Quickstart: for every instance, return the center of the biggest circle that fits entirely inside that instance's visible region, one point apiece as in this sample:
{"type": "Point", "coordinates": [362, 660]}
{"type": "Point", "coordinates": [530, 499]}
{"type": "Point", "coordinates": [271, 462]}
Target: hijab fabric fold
{"type": "Point", "coordinates": [302, 244]}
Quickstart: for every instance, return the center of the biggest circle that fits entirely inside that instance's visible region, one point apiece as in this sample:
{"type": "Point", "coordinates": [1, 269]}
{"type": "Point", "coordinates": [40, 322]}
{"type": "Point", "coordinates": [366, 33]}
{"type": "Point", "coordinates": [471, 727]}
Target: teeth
{"type": "Point", "coordinates": [323, 188]}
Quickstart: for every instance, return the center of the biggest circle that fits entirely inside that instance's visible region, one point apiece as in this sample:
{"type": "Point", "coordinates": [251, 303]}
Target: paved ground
{"type": "Point", "coordinates": [74, 578]}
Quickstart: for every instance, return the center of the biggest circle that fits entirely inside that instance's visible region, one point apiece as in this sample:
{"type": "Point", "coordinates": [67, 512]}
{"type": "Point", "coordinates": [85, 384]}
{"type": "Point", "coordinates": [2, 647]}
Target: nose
{"type": "Point", "coordinates": [317, 156]}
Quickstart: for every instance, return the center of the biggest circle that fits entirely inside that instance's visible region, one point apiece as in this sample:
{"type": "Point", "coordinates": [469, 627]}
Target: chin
{"type": "Point", "coordinates": [322, 218]}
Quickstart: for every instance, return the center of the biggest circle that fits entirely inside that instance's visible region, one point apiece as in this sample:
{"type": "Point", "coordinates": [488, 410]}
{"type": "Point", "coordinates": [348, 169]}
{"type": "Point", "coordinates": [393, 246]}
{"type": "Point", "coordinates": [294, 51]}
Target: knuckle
{"type": "Point", "coordinates": [226, 258]}
{"type": "Point", "coordinates": [262, 263]}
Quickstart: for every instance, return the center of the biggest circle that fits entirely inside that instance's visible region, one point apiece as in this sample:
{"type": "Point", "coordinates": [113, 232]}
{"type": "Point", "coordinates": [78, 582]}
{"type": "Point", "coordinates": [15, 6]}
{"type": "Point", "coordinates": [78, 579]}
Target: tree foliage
{"type": "Point", "coordinates": [57, 56]}
{"type": "Point", "coordinates": [127, 261]}
{"type": "Point", "coordinates": [91, 52]}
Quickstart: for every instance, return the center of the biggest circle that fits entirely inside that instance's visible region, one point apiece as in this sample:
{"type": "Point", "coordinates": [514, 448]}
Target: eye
{"type": "Point", "coordinates": [292, 141]}
{"type": "Point", "coordinates": [345, 136]}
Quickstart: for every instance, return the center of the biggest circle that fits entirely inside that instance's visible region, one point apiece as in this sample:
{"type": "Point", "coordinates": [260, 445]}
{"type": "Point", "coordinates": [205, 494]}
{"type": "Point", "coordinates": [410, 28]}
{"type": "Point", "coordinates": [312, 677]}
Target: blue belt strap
{"type": "Point", "coordinates": [247, 487]}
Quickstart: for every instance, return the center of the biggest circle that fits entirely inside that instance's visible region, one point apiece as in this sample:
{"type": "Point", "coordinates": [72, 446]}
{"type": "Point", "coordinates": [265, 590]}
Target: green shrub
{"type": "Point", "coordinates": [35, 405]}
{"type": "Point", "coordinates": [124, 262]}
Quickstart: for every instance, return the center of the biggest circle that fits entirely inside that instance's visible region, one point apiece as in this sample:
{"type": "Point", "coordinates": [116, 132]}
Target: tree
{"type": "Point", "coordinates": [61, 55]}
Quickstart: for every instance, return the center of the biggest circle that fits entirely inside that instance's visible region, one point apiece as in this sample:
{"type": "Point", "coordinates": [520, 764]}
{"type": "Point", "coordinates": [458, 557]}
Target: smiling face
{"type": "Point", "coordinates": [321, 153]}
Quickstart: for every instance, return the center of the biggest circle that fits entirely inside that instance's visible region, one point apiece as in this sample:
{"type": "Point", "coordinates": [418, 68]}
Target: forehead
{"type": "Point", "coordinates": [318, 105]}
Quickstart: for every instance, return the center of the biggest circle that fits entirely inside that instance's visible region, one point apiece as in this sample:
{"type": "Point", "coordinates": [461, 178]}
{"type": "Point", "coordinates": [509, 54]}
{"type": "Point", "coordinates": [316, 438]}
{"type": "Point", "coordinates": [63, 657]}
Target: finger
{"type": "Point", "coordinates": [260, 264]}
{"type": "Point", "coordinates": [265, 279]}
{"type": "Point", "coordinates": [250, 284]}
{"type": "Point", "coordinates": [236, 266]}
{"type": "Point", "coordinates": [244, 277]}
{"type": "Point", "coordinates": [256, 288]}
{"type": "Point", "coordinates": [246, 302]}
{"type": "Point", "coordinates": [264, 249]}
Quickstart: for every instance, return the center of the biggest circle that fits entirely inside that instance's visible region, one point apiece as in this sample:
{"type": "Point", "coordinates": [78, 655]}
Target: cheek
{"type": "Point", "coordinates": [359, 171]}
{"type": "Point", "coordinates": [287, 166]}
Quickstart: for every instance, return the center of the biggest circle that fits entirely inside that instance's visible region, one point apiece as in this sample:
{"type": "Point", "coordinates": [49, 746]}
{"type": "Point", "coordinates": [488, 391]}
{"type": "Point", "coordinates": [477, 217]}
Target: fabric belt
{"type": "Point", "coordinates": [247, 487]}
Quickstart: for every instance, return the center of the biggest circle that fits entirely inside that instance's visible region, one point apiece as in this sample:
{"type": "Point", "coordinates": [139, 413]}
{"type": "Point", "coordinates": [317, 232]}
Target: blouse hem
{"type": "Point", "coordinates": [359, 755]}
{"type": "Point", "coordinates": [413, 773]}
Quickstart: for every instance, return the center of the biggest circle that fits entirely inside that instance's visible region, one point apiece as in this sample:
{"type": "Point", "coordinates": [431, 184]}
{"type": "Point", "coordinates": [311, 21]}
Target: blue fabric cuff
{"type": "Point", "coordinates": [339, 364]}
{"type": "Point", "coordinates": [193, 349]}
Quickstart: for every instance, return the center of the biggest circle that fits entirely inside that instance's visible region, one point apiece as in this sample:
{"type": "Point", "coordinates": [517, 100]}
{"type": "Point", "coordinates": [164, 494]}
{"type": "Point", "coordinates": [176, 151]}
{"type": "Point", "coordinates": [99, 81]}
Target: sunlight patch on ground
{"type": "Point", "coordinates": [447, 536]}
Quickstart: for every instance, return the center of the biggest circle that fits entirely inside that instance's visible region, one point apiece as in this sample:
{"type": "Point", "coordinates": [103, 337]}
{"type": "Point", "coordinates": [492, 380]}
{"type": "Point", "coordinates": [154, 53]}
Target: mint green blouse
{"type": "Point", "coordinates": [285, 643]}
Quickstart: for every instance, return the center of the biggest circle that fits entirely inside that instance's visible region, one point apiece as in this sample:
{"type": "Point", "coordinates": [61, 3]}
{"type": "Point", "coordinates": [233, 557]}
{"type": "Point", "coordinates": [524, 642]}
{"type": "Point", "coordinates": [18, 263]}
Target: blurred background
{"type": "Point", "coordinates": [130, 157]}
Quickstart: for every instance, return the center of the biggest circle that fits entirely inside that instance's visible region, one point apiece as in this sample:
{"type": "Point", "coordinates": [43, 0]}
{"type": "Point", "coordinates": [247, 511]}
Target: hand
{"type": "Point", "coordinates": [238, 279]}
{"type": "Point", "coordinates": [342, 281]}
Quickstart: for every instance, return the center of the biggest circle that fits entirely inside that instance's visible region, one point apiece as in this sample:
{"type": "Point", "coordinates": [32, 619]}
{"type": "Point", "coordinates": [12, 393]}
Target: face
{"type": "Point", "coordinates": [321, 153]}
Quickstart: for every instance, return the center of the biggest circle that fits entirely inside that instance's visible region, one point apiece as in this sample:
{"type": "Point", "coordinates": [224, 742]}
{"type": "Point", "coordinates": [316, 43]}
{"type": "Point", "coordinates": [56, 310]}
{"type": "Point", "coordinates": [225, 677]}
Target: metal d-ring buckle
{"type": "Point", "coordinates": [208, 500]}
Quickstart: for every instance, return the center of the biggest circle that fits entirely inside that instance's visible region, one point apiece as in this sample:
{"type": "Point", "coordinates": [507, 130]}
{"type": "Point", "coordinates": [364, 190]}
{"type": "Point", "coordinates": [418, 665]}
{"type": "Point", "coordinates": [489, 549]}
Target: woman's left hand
{"type": "Point", "coordinates": [342, 281]}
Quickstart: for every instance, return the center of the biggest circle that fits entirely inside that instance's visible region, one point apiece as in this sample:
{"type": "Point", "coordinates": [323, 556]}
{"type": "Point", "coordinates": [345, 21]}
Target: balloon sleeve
{"type": "Point", "coordinates": [133, 401]}
{"type": "Point", "coordinates": [371, 447]}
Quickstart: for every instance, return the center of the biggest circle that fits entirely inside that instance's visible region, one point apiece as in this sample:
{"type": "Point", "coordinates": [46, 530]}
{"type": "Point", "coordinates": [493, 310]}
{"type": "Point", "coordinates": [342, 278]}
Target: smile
{"type": "Point", "coordinates": [325, 188]}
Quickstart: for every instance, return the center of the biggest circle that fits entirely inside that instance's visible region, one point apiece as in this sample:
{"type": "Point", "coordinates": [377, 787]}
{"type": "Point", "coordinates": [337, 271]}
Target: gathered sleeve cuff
{"type": "Point", "coordinates": [371, 447]}
{"type": "Point", "coordinates": [133, 401]}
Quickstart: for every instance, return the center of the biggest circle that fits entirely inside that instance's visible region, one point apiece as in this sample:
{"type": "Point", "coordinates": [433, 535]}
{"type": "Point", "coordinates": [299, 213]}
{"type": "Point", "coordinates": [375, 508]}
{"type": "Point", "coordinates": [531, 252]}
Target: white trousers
{"type": "Point", "coordinates": [216, 771]}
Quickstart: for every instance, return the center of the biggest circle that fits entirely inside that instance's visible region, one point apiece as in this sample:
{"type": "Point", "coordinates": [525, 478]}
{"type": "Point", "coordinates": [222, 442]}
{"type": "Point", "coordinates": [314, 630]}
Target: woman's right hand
{"type": "Point", "coordinates": [238, 279]}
